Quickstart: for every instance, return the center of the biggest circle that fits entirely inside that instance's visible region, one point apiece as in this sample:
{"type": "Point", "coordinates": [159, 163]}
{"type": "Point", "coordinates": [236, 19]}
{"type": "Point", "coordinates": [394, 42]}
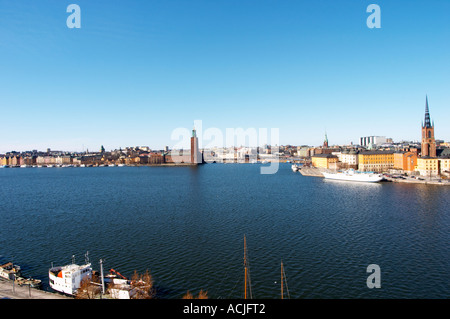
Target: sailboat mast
{"type": "Point", "coordinates": [282, 280]}
{"type": "Point", "coordinates": [245, 268]}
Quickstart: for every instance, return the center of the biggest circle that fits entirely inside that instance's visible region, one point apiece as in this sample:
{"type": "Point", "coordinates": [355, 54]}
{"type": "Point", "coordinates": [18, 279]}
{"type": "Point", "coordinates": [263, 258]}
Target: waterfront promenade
{"type": "Point", "coordinates": [8, 291]}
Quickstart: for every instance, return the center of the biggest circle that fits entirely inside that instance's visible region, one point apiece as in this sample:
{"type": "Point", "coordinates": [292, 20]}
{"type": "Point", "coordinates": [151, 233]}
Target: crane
{"type": "Point", "coordinates": [115, 271]}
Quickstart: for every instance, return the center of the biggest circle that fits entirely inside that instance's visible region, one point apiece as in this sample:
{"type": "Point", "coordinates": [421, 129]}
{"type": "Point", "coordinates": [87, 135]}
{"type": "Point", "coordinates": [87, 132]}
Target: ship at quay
{"type": "Point", "coordinates": [354, 176]}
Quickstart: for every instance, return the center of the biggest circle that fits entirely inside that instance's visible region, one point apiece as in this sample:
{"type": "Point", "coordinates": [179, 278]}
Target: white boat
{"type": "Point", "coordinates": [351, 175]}
{"type": "Point", "coordinates": [67, 279]}
{"type": "Point", "coordinates": [9, 271]}
{"type": "Point", "coordinates": [33, 283]}
{"type": "Point", "coordinates": [294, 168]}
{"type": "Point", "coordinates": [12, 272]}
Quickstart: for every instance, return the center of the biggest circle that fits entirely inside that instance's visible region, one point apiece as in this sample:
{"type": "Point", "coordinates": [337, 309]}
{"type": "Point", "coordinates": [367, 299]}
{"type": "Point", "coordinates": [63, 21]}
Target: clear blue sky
{"type": "Point", "coordinates": [136, 70]}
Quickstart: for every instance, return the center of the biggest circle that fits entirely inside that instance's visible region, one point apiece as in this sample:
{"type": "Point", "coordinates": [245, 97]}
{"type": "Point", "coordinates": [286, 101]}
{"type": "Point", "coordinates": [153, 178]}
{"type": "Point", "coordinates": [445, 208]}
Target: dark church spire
{"type": "Point", "coordinates": [427, 115]}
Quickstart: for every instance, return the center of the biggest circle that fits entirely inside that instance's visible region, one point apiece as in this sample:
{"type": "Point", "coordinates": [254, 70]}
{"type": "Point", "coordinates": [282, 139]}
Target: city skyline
{"type": "Point", "coordinates": [134, 72]}
{"type": "Point", "coordinates": [246, 136]}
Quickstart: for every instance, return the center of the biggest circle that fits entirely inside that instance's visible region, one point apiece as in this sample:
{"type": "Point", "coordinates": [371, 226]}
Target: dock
{"type": "Point", "coordinates": [314, 171]}
{"type": "Point", "coordinates": [310, 171]}
{"type": "Point", "coordinates": [425, 181]}
{"type": "Point", "coordinates": [8, 290]}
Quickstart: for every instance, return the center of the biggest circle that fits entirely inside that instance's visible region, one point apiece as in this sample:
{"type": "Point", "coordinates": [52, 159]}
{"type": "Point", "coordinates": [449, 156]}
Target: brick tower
{"type": "Point", "coordinates": [195, 154]}
{"type": "Point", "coordinates": [428, 141]}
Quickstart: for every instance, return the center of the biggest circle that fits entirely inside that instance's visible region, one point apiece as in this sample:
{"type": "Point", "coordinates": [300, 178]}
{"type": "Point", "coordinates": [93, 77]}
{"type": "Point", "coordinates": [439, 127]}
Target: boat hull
{"type": "Point", "coordinates": [362, 177]}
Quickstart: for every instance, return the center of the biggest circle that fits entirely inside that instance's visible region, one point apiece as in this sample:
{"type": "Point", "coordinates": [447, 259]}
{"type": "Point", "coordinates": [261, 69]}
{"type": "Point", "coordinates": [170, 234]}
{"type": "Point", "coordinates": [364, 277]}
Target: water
{"type": "Point", "coordinates": [186, 226]}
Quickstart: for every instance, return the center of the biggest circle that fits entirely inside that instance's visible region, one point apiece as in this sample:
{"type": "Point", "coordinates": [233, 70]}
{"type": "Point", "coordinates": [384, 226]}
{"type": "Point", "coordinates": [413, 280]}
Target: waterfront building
{"type": "Point", "coordinates": [327, 161]}
{"type": "Point", "coordinates": [428, 141]}
{"type": "Point", "coordinates": [405, 161]}
{"type": "Point", "coordinates": [14, 160]}
{"type": "Point", "coordinates": [435, 166]}
{"type": "Point", "coordinates": [428, 166]}
{"type": "Point", "coordinates": [376, 161]}
{"type": "Point", "coordinates": [303, 151]}
{"type": "Point", "coordinates": [348, 158]}
{"type": "Point", "coordinates": [28, 160]}
{"type": "Point", "coordinates": [76, 161]}
{"type": "Point", "coordinates": [45, 160]}
{"type": "Point", "coordinates": [178, 157]}
{"type": "Point", "coordinates": [321, 150]}
{"type": "Point", "coordinates": [444, 166]}
{"type": "Point", "coordinates": [63, 160]}
{"type": "Point", "coordinates": [155, 158]}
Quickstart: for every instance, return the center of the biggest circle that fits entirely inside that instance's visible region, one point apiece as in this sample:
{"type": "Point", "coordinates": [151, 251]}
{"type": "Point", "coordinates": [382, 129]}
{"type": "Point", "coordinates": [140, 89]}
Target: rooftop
{"type": "Point", "coordinates": [376, 152]}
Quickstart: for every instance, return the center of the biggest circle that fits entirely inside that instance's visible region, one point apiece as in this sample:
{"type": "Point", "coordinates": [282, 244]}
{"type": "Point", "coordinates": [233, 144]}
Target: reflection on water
{"type": "Point", "coordinates": [354, 185]}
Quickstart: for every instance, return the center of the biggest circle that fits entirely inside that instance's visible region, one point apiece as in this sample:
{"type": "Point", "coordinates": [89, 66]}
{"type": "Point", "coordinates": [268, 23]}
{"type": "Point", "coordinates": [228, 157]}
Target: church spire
{"type": "Point", "coordinates": [325, 142]}
{"type": "Point", "coordinates": [427, 114]}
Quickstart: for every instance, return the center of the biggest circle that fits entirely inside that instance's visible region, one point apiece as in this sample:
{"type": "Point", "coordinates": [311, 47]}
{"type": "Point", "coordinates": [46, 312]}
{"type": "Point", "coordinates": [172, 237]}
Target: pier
{"type": "Point", "coordinates": [8, 290]}
{"type": "Point", "coordinates": [310, 171]}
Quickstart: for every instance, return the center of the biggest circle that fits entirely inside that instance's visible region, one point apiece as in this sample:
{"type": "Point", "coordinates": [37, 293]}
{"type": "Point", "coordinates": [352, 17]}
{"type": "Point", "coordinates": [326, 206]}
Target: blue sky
{"type": "Point", "coordinates": [137, 70]}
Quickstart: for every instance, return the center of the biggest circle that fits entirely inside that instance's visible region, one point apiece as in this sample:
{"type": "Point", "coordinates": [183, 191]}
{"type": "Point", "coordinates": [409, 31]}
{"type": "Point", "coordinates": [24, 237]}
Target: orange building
{"type": "Point", "coordinates": [406, 161]}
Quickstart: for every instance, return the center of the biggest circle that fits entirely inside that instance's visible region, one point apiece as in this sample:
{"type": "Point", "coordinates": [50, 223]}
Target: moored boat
{"type": "Point", "coordinates": [33, 283]}
{"type": "Point", "coordinates": [12, 272]}
{"type": "Point", "coordinates": [353, 176]}
{"type": "Point", "coordinates": [9, 271]}
{"type": "Point", "coordinates": [67, 279]}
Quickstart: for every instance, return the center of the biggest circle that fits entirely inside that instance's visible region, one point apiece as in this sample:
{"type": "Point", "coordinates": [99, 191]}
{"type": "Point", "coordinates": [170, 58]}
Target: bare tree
{"type": "Point", "coordinates": [201, 295]}
{"type": "Point", "coordinates": [142, 285]}
{"type": "Point", "coordinates": [87, 290]}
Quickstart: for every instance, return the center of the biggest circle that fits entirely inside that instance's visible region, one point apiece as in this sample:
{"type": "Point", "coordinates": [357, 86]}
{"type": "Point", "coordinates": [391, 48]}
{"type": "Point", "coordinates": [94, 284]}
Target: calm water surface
{"type": "Point", "coordinates": [186, 225]}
